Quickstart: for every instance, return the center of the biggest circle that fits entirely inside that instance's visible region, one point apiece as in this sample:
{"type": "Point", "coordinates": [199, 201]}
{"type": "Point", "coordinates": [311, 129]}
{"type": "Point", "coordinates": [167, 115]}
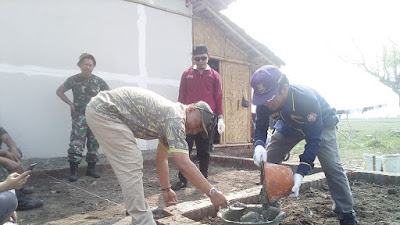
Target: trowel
{"type": "Point", "coordinates": [269, 212]}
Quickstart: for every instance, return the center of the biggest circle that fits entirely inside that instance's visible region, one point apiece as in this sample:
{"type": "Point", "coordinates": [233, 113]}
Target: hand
{"type": "Point", "coordinates": [260, 155]}
{"type": "Point", "coordinates": [14, 167]}
{"type": "Point", "coordinates": [15, 180]}
{"type": "Point", "coordinates": [268, 140]}
{"type": "Point", "coordinates": [219, 200]}
{"type": "Point", "coordinates": [13, 155]}
{"type": "Point", "coordinates": [297, 178]}
{"type": "Point", "coordinates": [72, 108]}
{"type": "Point", "coordinates": [170, 197]}
{"type": "Point", "coordinates": [221, 126]}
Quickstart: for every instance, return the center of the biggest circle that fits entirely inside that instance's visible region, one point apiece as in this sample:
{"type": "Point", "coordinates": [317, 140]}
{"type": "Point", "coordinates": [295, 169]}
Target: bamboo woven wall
{"type": "Point", "coordinates": [232, 52]}
{"type": "Point", "coordinates": [236, 86]}
{"type": "Point", "coordinates": [211, 36]}
{"type": "Point", "coordinates": [235, 79]}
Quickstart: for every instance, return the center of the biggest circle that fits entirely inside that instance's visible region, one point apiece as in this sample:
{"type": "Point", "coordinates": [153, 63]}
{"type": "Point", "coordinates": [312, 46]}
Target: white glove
{"type": "Point", "coordinates": [268, 140]}
{"type": "Point", "coordinates": [221, 126]}
{"type": "Point", "coordinates": [297, 178]}
{"type": "Point", "coordinates": [260, 155]}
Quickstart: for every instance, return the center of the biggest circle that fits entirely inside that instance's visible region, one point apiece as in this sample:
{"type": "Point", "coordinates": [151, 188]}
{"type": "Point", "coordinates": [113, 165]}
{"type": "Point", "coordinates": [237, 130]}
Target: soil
{"type": "Point", "coordinates": [99, 201]}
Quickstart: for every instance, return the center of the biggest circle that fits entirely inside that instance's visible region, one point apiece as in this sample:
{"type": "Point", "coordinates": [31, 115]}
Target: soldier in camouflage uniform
{"type": "Point", "coordinates": [84, 86]}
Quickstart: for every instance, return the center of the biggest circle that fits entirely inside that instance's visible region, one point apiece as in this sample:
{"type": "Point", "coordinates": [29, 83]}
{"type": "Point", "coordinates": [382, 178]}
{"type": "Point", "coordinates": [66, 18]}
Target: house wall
{"type": "Point", "coordinates": [235, 75]}
{"type": "Point", "coordinates": [41, 41]}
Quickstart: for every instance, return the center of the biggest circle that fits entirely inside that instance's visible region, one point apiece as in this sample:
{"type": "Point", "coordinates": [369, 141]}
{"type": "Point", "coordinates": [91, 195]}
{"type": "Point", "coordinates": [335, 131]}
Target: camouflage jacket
{"type": "Point", "coordinates": [84, 89]}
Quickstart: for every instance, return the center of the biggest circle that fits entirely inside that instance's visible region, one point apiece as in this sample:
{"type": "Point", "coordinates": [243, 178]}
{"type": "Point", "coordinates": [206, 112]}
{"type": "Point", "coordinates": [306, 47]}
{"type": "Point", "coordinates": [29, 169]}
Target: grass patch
{"type": "Point", "coordinates": [365, 136]}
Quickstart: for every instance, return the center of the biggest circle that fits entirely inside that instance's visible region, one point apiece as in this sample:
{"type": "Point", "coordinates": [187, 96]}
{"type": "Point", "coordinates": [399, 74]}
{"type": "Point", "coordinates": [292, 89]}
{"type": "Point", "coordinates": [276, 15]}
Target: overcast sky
{"type": "Point", "coordinates": [312, 36]}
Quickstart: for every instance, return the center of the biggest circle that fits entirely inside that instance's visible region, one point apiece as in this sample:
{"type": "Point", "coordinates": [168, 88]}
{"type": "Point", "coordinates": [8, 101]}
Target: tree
{"type": "Point", "coordinates": [387, 68]}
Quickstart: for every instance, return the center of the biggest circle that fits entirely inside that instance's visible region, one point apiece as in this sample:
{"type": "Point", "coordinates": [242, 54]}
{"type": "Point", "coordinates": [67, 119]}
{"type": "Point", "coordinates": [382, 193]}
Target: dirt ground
{"type": "Point", "coordinates": [99, 201]}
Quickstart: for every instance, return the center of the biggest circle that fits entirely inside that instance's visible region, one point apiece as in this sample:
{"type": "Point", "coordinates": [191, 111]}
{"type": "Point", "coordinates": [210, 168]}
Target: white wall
{"type": "Point", "coordinates": [41, 41]}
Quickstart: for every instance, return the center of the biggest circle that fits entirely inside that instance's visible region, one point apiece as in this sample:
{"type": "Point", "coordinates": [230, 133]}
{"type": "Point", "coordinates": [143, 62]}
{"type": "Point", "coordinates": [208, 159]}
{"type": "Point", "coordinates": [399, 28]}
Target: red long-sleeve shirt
{"type": "Point", "coordinates": [205, 87]}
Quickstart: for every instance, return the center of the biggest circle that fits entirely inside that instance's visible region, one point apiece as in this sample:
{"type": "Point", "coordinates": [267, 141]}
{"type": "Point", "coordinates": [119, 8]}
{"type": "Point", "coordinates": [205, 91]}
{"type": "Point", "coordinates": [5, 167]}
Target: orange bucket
{"type": "Point", "coordinates": [279, 181]}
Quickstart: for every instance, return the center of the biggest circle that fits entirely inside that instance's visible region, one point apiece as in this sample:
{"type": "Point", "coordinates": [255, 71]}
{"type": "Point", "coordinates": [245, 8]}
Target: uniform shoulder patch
{"type": "Point", "coordinates": [312, 117]}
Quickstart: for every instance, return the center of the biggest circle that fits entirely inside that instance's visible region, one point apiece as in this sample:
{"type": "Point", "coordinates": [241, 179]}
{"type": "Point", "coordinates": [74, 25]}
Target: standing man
{"type": "Point", "coordinates": [120, 116]}
{"type": "Point", "coordinates": [84, 85]}
{"type": "Point", "coordinates": [201, 83]}
{"type": "Point", "coordinates": [302, 113]}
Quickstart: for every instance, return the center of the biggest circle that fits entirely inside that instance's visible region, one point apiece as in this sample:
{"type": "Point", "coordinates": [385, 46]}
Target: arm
{"type": "Point", "coordinates": [262, 124]}
{"type": "Point", "coordinates": [14, 181]}
{"type": "Point", "coordinates": [11, 165]}
{"type": "Point", "coordinates": [194, 176]}
{"type": "Point", "coordinates": [182, 90]}
{"type": "Point", "coordinates": [218, 96]}
{"type": "Point", "coordinates": [169, 195]}
{"type": "Point", "coordinates": [313, 137]}
{"type": "Point", "coordinates": [6, 138]}
{"type": "Point", "coordinates": [218, 103]}
{"type": "Point", "coordinates": [61, 93]}
{"type": "Point", "coordinates": [104, 86]}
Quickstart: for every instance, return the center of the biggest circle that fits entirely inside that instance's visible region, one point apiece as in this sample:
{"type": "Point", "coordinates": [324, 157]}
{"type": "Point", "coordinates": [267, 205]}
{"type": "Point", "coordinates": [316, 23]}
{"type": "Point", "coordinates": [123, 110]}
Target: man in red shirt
{"type": "Point", "coordinates": [201, 83]}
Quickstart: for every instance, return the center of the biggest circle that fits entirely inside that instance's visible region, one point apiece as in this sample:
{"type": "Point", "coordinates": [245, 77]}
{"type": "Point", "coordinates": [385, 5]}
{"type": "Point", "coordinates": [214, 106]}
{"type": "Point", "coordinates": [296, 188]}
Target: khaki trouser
{"type": "Point", "coordinates": [120, 147]}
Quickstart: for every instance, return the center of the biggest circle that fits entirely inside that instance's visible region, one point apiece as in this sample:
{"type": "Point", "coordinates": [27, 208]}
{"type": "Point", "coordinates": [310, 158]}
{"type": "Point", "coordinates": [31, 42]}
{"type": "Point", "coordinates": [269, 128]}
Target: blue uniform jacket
{"type": "Point", "coordinates": [304, 110]}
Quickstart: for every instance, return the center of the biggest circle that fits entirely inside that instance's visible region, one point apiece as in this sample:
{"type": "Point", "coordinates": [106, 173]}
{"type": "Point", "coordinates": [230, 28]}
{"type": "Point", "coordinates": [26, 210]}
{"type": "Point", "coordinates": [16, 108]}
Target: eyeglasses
{"type": "Point", "coordinates": [202, 58]}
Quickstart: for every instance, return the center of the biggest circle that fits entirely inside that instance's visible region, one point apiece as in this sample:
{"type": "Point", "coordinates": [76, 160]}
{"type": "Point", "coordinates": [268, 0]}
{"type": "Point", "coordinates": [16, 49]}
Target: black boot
{"type": "Point", "coordinates": [90, 171]}
{"type": "Point", "coordinates": [179, 185]}
{"type": "Point", "coordinates": [26, 203]}
{"type": "Point", "coordinates": [74, 171]}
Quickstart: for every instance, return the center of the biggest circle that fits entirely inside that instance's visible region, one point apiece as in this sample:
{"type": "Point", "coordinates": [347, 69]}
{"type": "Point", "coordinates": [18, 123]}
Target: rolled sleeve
{"type": "Point", "coordinates": [175, 137]}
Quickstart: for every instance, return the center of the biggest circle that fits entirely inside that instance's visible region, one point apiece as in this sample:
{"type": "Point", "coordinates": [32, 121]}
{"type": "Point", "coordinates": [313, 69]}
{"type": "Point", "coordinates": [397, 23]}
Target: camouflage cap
{"type": "Point", "coordinates": [86, 55]}
{"type": "Point", "coordinates": [208, 118]}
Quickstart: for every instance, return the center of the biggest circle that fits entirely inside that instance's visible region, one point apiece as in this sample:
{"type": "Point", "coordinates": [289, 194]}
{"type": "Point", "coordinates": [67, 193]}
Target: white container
{"type": "Point", "coordinates": [391, 163]}
{"type": "Point", "coordinates": [373, 162]}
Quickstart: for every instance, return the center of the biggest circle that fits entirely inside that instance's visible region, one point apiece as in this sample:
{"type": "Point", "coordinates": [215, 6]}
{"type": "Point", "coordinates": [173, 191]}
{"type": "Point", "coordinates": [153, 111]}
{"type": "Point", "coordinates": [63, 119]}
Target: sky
{"type": "Point", "coordinates": [317, 38]}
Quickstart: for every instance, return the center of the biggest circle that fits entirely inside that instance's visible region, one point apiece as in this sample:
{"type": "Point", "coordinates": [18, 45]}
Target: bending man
{"type": "Point", "coordinates": [120, 116]}
{"type": "Point", "coordinates": [302, 113]}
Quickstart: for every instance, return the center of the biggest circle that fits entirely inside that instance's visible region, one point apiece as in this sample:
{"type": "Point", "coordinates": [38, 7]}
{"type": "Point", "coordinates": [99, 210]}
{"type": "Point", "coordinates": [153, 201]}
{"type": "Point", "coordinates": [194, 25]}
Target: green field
{"type": "Point", "coordinates": [364, 136]}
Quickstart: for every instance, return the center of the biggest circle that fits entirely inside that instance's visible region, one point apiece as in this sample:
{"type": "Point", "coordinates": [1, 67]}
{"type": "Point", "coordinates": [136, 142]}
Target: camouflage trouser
{"type": "Point", "coordinates": [79, 133]}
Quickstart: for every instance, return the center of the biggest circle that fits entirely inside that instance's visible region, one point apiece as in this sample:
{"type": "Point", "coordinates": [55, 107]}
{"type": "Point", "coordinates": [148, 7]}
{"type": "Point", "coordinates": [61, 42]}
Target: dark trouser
{"type": "Point", "coordinates": [203, 152]}
{"type": "Point", "coordinates": [80, 134]}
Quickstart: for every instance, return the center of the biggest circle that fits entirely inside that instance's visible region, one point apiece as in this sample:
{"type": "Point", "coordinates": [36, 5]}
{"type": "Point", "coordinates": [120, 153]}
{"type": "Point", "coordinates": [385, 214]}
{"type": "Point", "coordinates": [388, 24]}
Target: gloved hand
{"type": "Point", "coordinates": [260, 155]}
{"type": "Point", "coordinates": [268, 140]}
{"type": "Point", "coordinates": [221, 126]}
{"type": "Point", "coordinates": [297, 178]}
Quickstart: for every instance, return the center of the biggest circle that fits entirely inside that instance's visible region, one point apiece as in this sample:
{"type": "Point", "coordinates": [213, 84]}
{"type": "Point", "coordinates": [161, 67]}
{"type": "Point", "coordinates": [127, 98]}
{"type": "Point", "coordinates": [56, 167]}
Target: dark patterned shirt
{"type": "Point", "coordinates": [147, 114]}
{"type": "Point", "coordinates": [84, 89]}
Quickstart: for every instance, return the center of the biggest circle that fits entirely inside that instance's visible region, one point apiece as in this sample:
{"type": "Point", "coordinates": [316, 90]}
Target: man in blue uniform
{"type": "Point", "coordinates": [302, 113]}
